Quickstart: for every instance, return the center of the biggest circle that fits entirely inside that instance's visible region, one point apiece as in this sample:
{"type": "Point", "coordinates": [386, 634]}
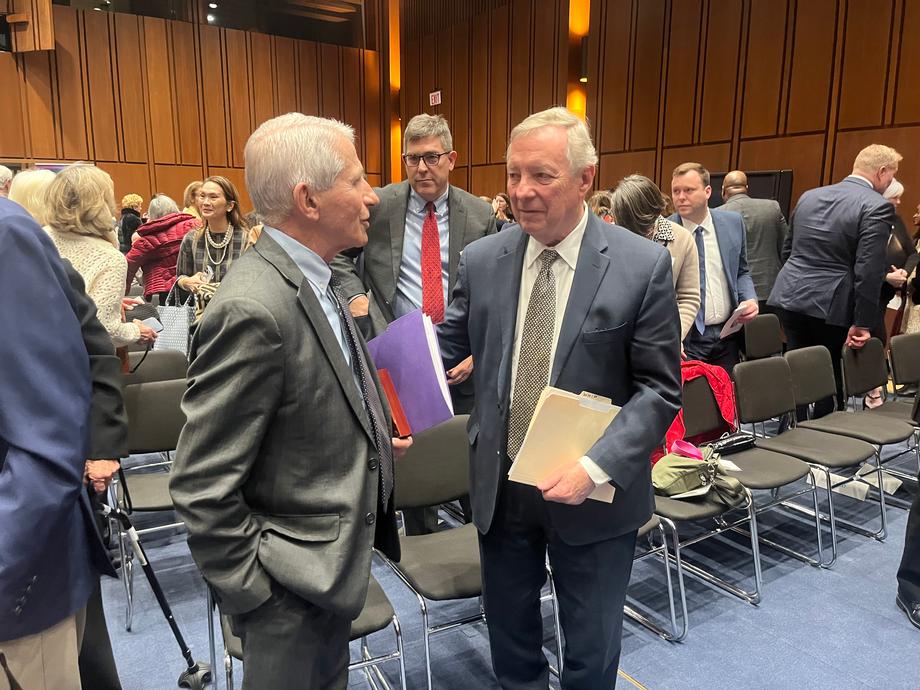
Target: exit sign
{"type": "Point", "coordinates": [434, 98]}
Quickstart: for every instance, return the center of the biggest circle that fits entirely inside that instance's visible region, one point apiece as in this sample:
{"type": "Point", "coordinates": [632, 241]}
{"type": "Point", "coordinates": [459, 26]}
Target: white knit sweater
{"type": "Point", "coordinates": [104, 270]}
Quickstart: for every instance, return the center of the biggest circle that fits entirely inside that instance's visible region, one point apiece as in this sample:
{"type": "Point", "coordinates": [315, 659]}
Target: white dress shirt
{"type": "Point", "coordinates": [718, 306]}
{"type": "Point", "coordinates": [564, 272]}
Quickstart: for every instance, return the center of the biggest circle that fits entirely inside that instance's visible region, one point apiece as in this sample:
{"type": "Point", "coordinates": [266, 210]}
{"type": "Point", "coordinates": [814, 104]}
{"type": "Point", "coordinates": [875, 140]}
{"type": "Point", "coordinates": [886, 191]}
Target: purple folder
{"type": "Point", "coordinates": [409, 351]}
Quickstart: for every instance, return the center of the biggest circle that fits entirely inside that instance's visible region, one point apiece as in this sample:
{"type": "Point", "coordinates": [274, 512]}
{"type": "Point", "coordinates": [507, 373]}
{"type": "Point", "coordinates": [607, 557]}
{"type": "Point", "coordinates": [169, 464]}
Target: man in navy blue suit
{"type": "Point", "coordinates": [725, 281]}
{"type": "Point", "coordinates": [50, 553]}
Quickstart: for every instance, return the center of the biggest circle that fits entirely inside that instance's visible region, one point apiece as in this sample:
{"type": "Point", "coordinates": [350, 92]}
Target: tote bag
{"type": "Point", "coordinates": [176, 319]}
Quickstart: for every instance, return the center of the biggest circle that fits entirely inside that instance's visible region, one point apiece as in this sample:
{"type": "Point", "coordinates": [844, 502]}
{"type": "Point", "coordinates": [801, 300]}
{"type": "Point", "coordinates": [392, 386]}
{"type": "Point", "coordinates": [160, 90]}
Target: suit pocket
{"type": "Point", "coordinates": [305, 528]}
{"type": "Point", "coordinates": [603, 335]}
{"type": "Point", "coordinates": [472, 431]}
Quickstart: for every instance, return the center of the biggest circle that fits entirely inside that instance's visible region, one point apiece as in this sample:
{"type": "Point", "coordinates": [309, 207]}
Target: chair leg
{"type": "Point", "coordinates": [212, 640]}
{"type": "Point", "coordinates": [427, 634]}
{"type": "Point", "coordinates": [127, 579]}
{"type": "Point", "coordinates": [883, 532]}
{"type": "Point", "coordinates": [555, 604]}
{"type": "Point", "coordinates": [402, 655]}
{"type": "Point", "coordinates": [228, 669]}
{"type": "Point", "coordinates": [814, 499]}
{"type": "Point", "coordinates": [666, 526]}
{"type": "Point", "coordinates": [755, 550]}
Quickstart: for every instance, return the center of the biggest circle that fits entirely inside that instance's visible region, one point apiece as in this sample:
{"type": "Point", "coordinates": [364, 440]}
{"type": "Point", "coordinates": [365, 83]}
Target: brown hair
{"type": "Point", "coordinates": [234, 215]}
{"type": "Point", "coordinates": [685, 168]}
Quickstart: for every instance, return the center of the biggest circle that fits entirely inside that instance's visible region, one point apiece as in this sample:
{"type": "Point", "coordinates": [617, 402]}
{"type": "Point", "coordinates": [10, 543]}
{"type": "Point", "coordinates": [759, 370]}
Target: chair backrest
{"type": "Point", "coordinates": [436, 468]}
{"type": "Point", "coordinates": [701, 411]}
{"type": "Point", "coordinates": [812, 374]}
{"type": "Point", "coordinates": [763, 337]}
{"type": "Point", "coordinates": [864, 369]}
{"type": "Point", "coordinates": [905, 358]}
{"type": "Point", "coordinates": [155, 417]}
{"type": "Point", "coordinates": [158, 365]}
{"type": "Point", "coordinates": [763, 389]}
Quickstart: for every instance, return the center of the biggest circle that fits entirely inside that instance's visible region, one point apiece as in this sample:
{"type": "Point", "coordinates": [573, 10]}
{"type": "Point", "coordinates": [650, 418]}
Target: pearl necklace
{"type": "Point", "coordinates": [219, 245]}
{"type": "Point", "coordinates": [225, 245]}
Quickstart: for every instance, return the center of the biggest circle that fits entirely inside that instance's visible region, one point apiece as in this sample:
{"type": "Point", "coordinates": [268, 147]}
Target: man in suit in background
{"type": "Point", "coordinates": [284, 470]}
{"type": "Point", "coordinates": [766, 231]}
{"type": "Point", "coordinates": [829, 287]}
{"type": "Point", "coordinates": [410, 261]}
{"type": "Point", "coordinates": [50, 552]}
{"type": "Point", "coordinates": [562, 299]}
{"type": "Point", "coordinates": [725, 282]}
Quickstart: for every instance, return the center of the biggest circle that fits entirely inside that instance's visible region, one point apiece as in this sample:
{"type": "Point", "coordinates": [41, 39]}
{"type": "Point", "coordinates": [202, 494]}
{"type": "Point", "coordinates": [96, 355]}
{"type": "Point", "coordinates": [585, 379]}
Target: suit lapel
{"type": "Point", "coordinates": [457, 224]}
{"type": "Point", "coordinates": [589, 272]}
{"type": "Point", "coordinates": [728, 252]}
{"type": "Point", "coordinates": [400, 203]}
{"type": "Point", "coordinates": [275, 255]}
{"type": "Point", "coordinates": [509, 263]}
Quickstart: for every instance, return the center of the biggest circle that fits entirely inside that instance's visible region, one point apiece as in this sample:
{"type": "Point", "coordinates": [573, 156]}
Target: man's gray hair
{"type": "Point", "coordinates": [424, 126]}
{"type": "Point", "coordinates": [287, 150]}
{"type": "Point", "coordinates": [6, 175]}
{"type": "Point", "coordinates": [874, 157]}
{"type": "Point", "coordinates": [580, 151]}
{"type": "Point", "coordinates": [161, 205]}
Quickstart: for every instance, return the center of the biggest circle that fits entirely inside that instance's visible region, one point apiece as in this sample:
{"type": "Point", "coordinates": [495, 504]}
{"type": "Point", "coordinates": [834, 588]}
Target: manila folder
{"type": "Point", "coordinates": [563, 428]}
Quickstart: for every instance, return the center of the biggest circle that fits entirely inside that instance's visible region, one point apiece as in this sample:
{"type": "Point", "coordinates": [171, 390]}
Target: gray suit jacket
{"type": "Point", "coordinates": [276, 475]}
{"type": "Point", "coordinates": [766, 231]}
{"type": "Point", "coordinates": [375, 269]}
{"type": "Point", "coordinates": [620, 338]}
{"type": "Point", "coordinates": [836, 254]}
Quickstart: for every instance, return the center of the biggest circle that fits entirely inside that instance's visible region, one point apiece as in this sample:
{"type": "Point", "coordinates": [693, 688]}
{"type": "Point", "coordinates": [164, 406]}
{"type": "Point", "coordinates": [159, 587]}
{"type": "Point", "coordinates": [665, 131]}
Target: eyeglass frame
{"type": "Point", "coordinates": [424, 157]}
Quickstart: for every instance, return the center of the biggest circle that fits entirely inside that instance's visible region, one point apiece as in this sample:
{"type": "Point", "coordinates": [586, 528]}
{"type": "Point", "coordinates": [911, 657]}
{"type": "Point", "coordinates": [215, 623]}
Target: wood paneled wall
{"type": "Point", "coordinates": [494, 62]}
{"type": "Point", "coordinates": [159, 103]}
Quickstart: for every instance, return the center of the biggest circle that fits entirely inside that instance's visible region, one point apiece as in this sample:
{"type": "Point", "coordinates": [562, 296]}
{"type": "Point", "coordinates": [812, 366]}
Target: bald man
{"type": "Point", "coordinates": [766, 230]}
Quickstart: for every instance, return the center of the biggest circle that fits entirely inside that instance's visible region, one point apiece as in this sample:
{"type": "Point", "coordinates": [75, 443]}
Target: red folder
{"type": "Point", "coordinates": [400, 421]}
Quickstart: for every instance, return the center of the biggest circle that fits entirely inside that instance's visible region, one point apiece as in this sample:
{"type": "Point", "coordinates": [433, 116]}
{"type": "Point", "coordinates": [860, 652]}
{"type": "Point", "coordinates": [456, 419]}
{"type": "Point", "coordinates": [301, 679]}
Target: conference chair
{"type": "Point", "coordinates": [758, 470]}
{"type": "Point", "coordinates": [765, 391]}
{"type": "Point", "coordinates": [155, 420]}
{"type": "Point", "coordinates": [155, 365]}
{"type": "Point", "coordinates": [904, 356]}
{"type": "Point", "coordinates": [377, 615]}
{"type": "Point", "coordinates": [444, 565]}
{"type": "Point", "coordinates": [763, 337]}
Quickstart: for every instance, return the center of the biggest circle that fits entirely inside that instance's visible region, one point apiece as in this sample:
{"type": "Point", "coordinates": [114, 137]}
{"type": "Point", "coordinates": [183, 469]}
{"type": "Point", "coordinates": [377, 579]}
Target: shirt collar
{"type": "Point", "coordinates": [856, 176]}
{"type": "Point", "coordinates": [309, 262]}
{"type": "Point", "coordinates": [567, 249]}
{"type": "Point", "coordinates": [706, 224]}
{"type": "Point", "coordinates": [417, 203]}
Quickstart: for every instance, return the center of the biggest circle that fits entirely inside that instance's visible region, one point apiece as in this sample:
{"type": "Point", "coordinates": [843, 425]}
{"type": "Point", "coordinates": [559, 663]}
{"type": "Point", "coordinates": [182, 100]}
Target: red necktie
{"type": "Point", "coordinates": [432, 288]}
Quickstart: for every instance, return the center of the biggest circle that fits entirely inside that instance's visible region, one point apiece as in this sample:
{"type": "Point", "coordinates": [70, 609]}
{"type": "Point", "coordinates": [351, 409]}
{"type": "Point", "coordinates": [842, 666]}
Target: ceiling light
{"type": "Point", "coordinates": [211, 18]}
{"type": "Point", "coordinates": [212, 5]}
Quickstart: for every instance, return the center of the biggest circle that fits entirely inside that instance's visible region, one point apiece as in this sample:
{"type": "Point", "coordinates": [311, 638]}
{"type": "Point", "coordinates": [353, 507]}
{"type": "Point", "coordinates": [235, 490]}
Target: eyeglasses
{"type": "Point", "coordinates": [431, 159]}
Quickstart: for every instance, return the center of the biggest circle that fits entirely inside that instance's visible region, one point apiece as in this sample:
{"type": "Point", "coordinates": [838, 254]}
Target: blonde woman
{"type": "Point", "coordinates": [79, 216]}
{"type": "Point", "coordinates": [28, 189]}
{"type": "Point", "coordinates": [190, 199]}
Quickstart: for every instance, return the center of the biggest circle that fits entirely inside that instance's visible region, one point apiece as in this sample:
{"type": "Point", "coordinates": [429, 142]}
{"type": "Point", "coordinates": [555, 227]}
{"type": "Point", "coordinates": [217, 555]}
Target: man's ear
{"type": "Point", "coordinates": [305, 202]}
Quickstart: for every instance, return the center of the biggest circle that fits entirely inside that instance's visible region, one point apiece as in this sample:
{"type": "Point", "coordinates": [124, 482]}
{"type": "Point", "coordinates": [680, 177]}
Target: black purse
{"type": "Point", "coordinates": [733, 443]}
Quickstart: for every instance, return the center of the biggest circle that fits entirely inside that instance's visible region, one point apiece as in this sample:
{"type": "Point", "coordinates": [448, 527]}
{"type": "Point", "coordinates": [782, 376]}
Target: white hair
{"type": "Point", "coordinates": [28, 190]}
{"type": "Point", "coordinates": [579, 149]}
{"type": "Point", "coordinates": [5, 175]}
{"type": "Point", "coordinates": [161, 205]}
{"type": "Point", "coordinates": [290, 149]}
{"type": "Point", "coordinates": [874, 157]}
{"type": "Point", "coordinates": [895, 189]}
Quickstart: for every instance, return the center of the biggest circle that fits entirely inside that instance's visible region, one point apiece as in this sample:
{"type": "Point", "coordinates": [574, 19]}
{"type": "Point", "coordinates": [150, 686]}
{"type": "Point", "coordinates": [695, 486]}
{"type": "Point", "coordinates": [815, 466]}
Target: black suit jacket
{"type": "Point", "coordinates": [835, 255]}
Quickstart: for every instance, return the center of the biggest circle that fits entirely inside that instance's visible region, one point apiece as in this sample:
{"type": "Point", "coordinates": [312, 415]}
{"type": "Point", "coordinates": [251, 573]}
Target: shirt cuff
{"type": "Point", "coordinates": [598, 476]}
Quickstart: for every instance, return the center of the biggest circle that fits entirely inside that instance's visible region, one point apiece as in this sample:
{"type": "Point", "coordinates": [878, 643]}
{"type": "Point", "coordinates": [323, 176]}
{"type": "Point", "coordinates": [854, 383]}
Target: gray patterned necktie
{"type": "Point", "coordinates": [533, 357]}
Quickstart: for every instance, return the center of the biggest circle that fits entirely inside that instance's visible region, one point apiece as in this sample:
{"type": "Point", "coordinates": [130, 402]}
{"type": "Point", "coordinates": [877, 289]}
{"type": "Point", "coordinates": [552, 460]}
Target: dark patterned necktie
{"type": "Point", "coordinates": [534, 354]}
{"type": "Point", "coordinates": [432, 287]}
{"type": "Point", "coordinates": [382, 437]}
{"type": "Point", "coordinates": [700, 320]}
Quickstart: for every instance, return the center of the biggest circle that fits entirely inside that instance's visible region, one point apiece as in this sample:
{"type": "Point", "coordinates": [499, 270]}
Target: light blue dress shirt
{"type": "Point", "coordinates": [318, 274]}
{"type": "Point", "coordinates": [409, 281]}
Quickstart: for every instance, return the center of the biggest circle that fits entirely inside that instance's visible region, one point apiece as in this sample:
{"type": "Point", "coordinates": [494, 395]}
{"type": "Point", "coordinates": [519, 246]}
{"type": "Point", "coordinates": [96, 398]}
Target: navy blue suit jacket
{"type": "Point", "coordinates": [49, 548]}
{"type": "Point", "coordinates": [835, 254]}
{"type": "Point", "coordinates": [732, 238]}
{"type": "Point", "coordinates": [620, 338]}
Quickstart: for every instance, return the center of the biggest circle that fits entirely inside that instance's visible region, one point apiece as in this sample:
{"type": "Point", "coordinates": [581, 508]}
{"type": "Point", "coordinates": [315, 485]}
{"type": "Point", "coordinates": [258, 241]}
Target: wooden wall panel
{"type": "Point", "coordinates": [12, 133]}
{"type": "Point", "coordinates": [373, 139]}
{"type": "Point", "coordinates": [161, 107]}
{"type": "Point", "coordinates": [330, 81]}
{"type": "Point", "coordinates": [460, 178]}
{"type": "Point", "coordinates": [130, 85]}
{"type": "Point", "coordinates": [351, 111]}
{"type": "Point", "coordinates": [188, 112]}
{"type": "Point", "coordinates": [907, 94]}
{"type": "Point", "coordinates": [39, 91]}
{"type": "Point", "coordinates": [812, 65]}
{"type": "Point", "coordinates": [647, 74]}
{"type": "Point", "coordinates": [487, 180]}
{"type": "Point", "coordinates": [714, 157]}
{"type": "Point", "coordinates": [308, 71]}
{"type": "Point", "coordinates": [683, 52]}
{"type": "Point", "coordinates": [442, 78]}
{"type": "Point", "coordinates": [68, 64]}
{"type": "Point", "coordinates": [427, 80]}
{"type": "Point", "coordinates": [101, 81]}
{"type": "Point", "coordinates": [545, 55]}
{"type": "Point", "coordinates": [498, 83]}
{"type": "Point", "coordinates": [173, 179]}
{"type": "Point", "coordinates": [216, 129]}
{"type": "Point", "coordinates": [614, 58]}
{"type": "Point", "coordinates": [764, 68]}
{"type": "Point", "coordinates": [615, 166]}
{"type": "Point", "coordinates": [801, 154]}
{"type": "Point", "coordinates": [720, 77]}
{"type": "Point", "coordinates": [520, 80]}
{"type": "Point", "coordinates": [285, 77]}
{"type": "Point", "coordinates": [263, 80]}
{"type": "Point", "coordinates": [412, 89]}
{"type": "Point", "coordinates": [129, 178]}
{"type": "Point", "coordinates": [862, 91]}
{"type": "Point", "coordinates": [239, 103]}
{"type": "Point", "coordinates": [480, 80]}
{"type": "Point", "coordinates": [460, 79]}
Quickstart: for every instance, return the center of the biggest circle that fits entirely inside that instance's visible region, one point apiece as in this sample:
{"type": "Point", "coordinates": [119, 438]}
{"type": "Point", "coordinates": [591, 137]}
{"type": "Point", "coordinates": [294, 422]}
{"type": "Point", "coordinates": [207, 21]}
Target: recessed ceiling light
{"type": "Point", "coordinates": [211, 17]}
{"type": "Point", "coordinates": [212, 5]}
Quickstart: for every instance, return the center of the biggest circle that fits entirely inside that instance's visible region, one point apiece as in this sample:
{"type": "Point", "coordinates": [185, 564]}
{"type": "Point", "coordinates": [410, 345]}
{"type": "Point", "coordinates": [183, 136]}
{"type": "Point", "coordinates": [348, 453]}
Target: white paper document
{"type": "Point", "coordinates": [563, 428]}
{"type": "Point", "coordinates": [733, 325]}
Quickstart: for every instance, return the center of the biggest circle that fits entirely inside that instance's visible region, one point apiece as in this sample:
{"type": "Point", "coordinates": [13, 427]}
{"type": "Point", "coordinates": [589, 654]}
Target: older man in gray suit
{"type": "Point", "coordinates": [284, 471]}
{"type": "Point", "coordinates": [410, 262]}
{"type": "Point", "coordinates": [766, 231]}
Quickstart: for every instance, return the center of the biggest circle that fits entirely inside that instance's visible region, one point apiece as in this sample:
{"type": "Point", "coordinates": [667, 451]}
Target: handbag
{"type": "Point", "coordinates": [177, 320]}
{"type": "Point", "coordinates": [691, 472]}
{"type": "Point", "coordinates": [206, 292]}
{"type": "Point", "coordinates": [732, 443]}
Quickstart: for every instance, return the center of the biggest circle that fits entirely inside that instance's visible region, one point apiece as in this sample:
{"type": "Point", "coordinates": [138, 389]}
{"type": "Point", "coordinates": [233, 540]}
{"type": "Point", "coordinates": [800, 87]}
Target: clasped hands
{"type": "Point", "coordinates": [99, 473]}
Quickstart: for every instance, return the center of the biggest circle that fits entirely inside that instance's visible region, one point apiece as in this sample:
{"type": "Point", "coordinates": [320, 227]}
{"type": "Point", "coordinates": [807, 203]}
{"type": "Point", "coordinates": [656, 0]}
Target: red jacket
{"type": "Point", "coordinates": [156, 251]}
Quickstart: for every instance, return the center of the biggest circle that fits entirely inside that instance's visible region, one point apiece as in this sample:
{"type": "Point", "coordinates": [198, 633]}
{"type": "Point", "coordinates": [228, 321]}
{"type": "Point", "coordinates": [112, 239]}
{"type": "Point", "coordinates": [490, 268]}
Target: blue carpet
{"type": "Point", "coordinates": [833, 629]}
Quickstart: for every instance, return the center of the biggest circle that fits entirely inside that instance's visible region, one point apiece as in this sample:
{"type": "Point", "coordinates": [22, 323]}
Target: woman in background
{"type": "Point", "coordinates": [637, 204]}
{"type": "Point", "coordinates": [501, 206]}
{"type": "Point", "coordinates": [190, 198]}
{"type": "Point", "coordinates": [28, 190]}
{"type": "Point", "coordinates": [600, 204]}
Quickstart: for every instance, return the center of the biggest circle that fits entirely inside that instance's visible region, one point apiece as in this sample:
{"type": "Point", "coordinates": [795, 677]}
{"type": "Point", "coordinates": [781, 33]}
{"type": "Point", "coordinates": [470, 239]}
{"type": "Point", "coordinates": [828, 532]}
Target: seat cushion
{"type": "Point", "coordinates": [818, 447]}
{"type": "Point", "coordinates": [149, 491]}
{"type": "Point", "coordinates": [653, 523]}
{"type": "Point", "coordinates": [684, 509]}
{"type": "Point", "coordinates": [895, 409]}
{"type": "Point", "coordinates": [443, 565]}
{"type": "Point", "coordinates": [376, 614]}
{"type": "Point", "coordinates": [874, 429]}
{"type": "Point", "coordinates": [764, 469]}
